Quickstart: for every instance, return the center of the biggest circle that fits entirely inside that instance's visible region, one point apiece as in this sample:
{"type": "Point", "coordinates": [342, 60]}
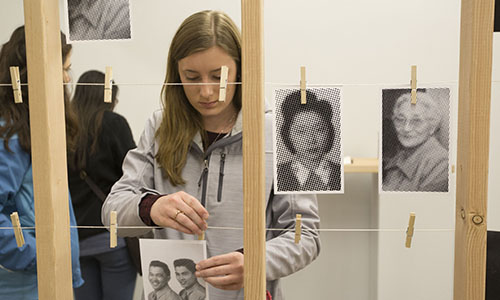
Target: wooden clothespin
{"type": "Point", "coordinates": [303, 98]}
{"type": "Point", "coordinates": [201, 237]}
{"type": "Point", "coordinates": [16, 84]}
{"type": "Point", "coordinates": [112, 230]}
{"type": "Point", "coordinates": [298, 227]}
{"type": "Point", "coordinates": [18, 232]}
{"type": "Point", "coordinates": [108, 84]}
{"type": "Point", "coordinates": [409, 231]}
{"type": "Point", "coordinates": [413, 83]}
{"type": "Point", "coordinates": [223, 83]}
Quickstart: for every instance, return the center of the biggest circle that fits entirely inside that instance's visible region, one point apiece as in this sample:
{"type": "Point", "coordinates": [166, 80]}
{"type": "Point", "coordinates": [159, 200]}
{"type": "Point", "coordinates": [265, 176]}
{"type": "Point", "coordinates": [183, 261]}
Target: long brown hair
{"type": "Point", "coordinates": [16, 116]}
{"type": "Point", "coordinates": [88, 104]}
{"type": "Point", "coordinates": [181, 121]}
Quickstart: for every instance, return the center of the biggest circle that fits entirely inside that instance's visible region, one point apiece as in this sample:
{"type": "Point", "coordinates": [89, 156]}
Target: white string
{"type": "Point", "coordinates": [295, 84]}
{"type": "Point", "coordinates": [125, 83]}
{"type": "Point", "coordinates": [359, 84]}
{"type": "Point", "coordinates": [267, 229]}
{"type": "Point", "coordinates": [10, 84]}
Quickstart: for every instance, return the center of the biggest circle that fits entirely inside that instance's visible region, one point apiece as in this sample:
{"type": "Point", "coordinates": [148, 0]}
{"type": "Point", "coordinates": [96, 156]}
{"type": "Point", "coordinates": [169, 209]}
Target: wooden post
{"type": "Point", "coordinates": [253, 149]}
{"type": "Point", "coordinates": [48, 149]}
{"type": "Point", "coordinates": [476, 38]}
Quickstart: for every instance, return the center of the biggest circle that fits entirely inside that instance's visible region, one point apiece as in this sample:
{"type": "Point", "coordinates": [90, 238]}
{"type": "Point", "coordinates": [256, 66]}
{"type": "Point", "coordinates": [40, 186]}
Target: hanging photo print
{"type": "Point", "coordinates": [307, 141]}
{"type": "Point", "coordinates": [168, 268]}
{"type": "Point", "coordinates": [415, 141]}
{"type": "Point", "coordinates": [96, 20]}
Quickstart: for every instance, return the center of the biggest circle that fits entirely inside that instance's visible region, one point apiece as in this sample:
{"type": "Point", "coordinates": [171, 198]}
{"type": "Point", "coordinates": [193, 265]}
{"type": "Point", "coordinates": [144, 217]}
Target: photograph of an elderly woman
{"type": "Point", "coordinates": [307, 141]}
{"type": "Point", "coordinates": [415, 140]}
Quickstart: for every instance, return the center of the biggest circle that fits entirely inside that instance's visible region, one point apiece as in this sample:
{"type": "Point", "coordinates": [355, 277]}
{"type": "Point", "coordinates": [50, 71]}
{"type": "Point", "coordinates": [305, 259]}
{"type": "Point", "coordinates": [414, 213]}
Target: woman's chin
{"type": "Point", "coordinates": [310, 160]}
{"type": "Point", "coordinates": [410, 144]}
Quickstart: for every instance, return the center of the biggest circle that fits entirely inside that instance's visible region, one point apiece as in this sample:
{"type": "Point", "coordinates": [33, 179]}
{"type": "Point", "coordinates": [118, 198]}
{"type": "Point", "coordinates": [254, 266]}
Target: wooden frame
{"type": "Point", "coordinates": [476, 42]}
{"type": "Point", "coordinates": [48, 149]}
{"type": "Point", "coordinates": [254, 234]}
{"type": "Point", "coordinates": [49, 158]}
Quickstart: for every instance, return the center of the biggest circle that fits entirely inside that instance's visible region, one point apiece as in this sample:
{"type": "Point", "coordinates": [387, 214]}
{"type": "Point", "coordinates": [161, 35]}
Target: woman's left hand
{"type": "Point", "coordinates": [223, 271]}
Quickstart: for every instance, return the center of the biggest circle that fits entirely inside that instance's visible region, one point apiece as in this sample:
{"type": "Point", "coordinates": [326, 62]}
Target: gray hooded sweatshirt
{"type": "Point", "coordinates": [215, 177]}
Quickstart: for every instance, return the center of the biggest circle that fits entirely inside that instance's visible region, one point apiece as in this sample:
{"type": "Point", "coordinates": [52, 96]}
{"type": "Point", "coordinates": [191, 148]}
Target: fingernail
{"type": "Point", "coordinates": [197, 274]}
{"type": "Point", "coordinates": [197, 267]}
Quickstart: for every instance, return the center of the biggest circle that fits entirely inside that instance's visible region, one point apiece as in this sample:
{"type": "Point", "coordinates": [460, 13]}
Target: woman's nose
{"type": "Point", "coordinates": [312, 138]}
{"type": "Point", "coordinates": [408, 126]}
{"type": "Point", "coordinates": [66, 77]}
{"type": "Point", "coordinates": [206, 90]}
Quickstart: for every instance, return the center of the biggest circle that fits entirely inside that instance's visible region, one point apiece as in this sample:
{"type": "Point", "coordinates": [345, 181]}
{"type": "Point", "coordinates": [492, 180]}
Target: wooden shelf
{"type": "Point", "coordinates": [362, 165]}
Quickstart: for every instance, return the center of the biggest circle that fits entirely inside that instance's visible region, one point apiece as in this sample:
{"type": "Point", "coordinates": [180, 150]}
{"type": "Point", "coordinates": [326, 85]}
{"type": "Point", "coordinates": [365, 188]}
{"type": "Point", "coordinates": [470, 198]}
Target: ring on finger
{"type": "Point", "coordinates": [177, 213]}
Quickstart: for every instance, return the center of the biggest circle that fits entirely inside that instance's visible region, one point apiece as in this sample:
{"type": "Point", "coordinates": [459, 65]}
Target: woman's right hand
{"type": "Point", "coordinates": [180, 211]}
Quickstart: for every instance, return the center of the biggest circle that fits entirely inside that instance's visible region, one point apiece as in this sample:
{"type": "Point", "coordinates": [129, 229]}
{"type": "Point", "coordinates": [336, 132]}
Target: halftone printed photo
{"type": "Point", "coordinates": [168, 268]}
{"type": "Point", "coordinates": [415, 141]}
{"type": "Point", "coordinates": [307, 141]}
{"type": "Point", "coordinates": [96, 20]}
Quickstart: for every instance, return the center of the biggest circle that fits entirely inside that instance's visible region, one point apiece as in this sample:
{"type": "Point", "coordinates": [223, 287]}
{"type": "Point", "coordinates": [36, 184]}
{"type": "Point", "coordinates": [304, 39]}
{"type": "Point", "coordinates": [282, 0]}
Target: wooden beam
{"type": "Point", "coordinates": [476, 38]}
{"type": "Point", "coordinates": [253, 149]}
{"type": "Point", "coordinates": [48, 149]}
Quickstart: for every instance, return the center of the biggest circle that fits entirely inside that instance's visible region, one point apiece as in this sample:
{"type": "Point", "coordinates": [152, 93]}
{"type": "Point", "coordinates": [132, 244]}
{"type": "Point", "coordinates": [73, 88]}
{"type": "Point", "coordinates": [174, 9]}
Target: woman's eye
{"type": "Point", "coordinates": [191, 78]}
{"type": "Point", "coordinates": [217, 78]}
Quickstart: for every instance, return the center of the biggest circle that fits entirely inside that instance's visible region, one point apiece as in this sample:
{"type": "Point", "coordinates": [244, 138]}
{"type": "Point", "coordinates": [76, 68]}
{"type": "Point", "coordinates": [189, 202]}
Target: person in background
{"type": "Point", "coordinates": [492, 265]}
{"type": "Point", "coordinates": [18, 266]}
{"type": "Point", "coordinates": [159, 276]}
{"type": "Point", "coordinates": [308, 134]}
{"type": "Point", "coordinates": [184, 272]}
{"type": "Point", "coordinates": [96, 164]}
{"type": "Point", "coordinates": [421, 162]}
{"type": "Point", "coordinates": [186, 172]}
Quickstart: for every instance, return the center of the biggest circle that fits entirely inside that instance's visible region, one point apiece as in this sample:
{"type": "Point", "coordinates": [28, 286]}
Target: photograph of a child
{"type": "Point", "coordinates": [169, 268]}
{"type": "Point", "coordinates": [415, 140]}
{"type": "Point", "coordinates": [307, 141]}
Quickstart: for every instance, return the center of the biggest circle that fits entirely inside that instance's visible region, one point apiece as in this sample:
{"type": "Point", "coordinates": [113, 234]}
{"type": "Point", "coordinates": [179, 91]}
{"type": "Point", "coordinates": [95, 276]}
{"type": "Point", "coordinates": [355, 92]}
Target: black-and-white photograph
{"type": "Point", "coordinates": [94, 20]}
{"type": "Point", "coordinates": [415, 141]}
{"type": "Point", "coordinates": [169, 268]}
{"type": "Point", "coordinates": [307, 141]}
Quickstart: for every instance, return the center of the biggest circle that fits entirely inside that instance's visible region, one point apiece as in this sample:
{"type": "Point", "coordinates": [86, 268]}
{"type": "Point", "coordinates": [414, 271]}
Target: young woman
{"type": "Point", "coordinates": [18, 265]}
{"type": "Point", "coordinates": [103, 141]}
{"type": "Point", "coordinates": [186, 173]}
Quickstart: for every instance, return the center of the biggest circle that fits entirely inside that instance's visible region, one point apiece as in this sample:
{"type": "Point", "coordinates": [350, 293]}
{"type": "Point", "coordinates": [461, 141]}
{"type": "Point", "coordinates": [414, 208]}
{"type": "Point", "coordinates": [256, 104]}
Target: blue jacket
{"type": "Point", "coordinates": [18, 265]}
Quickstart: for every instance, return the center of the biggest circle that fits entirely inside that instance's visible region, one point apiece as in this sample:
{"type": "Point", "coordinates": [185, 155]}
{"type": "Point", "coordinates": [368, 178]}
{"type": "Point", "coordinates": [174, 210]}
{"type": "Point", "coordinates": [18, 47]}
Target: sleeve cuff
{"type": "Point", "coordinates": [145, 208]}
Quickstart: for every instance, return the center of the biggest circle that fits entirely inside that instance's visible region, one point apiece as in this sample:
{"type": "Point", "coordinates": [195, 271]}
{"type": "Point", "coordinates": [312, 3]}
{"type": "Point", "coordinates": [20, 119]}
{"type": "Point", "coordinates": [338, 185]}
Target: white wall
{"type": "Point", "coordinates": [365, 45]}
{"type": "Point", "coordinates": [369, 44]}
{"type": "Point", "coordinates": [494, 171]}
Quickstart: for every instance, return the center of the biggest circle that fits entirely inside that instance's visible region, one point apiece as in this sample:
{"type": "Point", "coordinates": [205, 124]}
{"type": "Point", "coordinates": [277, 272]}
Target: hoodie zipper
{"type": "Point", "coordinates": [203, 178]}
{"type": "Point", "coordinates": [221, 176]}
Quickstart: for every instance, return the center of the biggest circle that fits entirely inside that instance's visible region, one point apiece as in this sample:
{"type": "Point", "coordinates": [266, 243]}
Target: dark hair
{"type": "Point", "coordinates": [89, 106]}
{"type": "Point", "coordinates": [16, 115]}
{"type": "Point", "coordinates": [291, 107]}
{"type": "Point", "coordinates": [185, 262]}
{"type": "Point", "coordinates": [160, 264]}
